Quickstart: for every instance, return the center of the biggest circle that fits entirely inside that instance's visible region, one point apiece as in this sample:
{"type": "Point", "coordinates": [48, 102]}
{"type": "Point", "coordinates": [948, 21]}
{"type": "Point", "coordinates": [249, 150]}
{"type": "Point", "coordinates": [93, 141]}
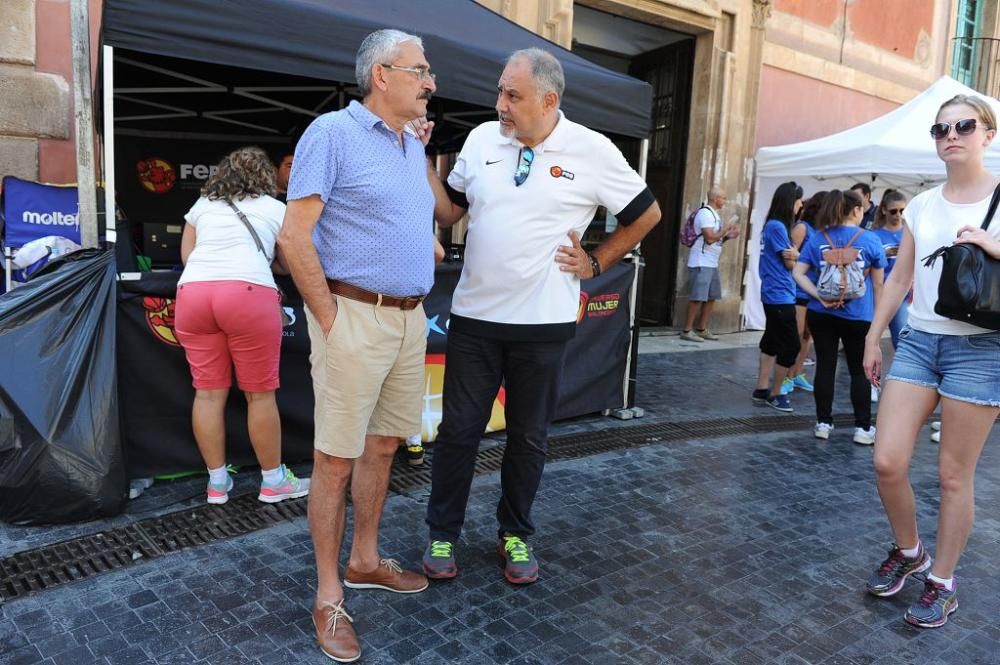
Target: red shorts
{"type": "Point", "coordinates": [226, 324]}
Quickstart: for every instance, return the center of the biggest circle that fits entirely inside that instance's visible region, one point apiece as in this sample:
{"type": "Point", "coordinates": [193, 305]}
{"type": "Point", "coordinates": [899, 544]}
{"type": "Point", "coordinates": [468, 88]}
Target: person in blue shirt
{"type": "Point", "coordinates": [833, 322]}
{"type": "Point", "coordinates": [800, 233]}
{"type": "Point", "coordinates": [779, 347]}
{"type": "Point", "coordinates": [865, 192]}
{"type": "Point", "coordinates": [889, 228]}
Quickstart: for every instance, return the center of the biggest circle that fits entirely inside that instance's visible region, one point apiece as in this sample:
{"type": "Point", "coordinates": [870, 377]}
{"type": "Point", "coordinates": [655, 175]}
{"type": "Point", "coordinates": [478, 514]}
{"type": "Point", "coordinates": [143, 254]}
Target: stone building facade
{"type": "Point", "coordinates": [36, 94]}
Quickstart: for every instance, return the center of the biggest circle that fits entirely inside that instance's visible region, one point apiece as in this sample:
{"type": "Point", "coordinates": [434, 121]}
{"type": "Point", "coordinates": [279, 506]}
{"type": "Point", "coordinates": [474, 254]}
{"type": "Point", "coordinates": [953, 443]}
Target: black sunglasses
{"type": "Point", "coordinates": [523, 166]}
{"type": "Point", "coordinates": [963, 128]}
{"type": "Point", "coordinates": [894, 211]}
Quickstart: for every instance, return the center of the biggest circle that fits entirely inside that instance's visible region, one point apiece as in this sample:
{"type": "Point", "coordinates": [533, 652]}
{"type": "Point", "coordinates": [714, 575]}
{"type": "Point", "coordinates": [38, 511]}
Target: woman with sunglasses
{"type": "Point", "coordinates": [779, 347]}
{"type": "Point", "coordinates": [889, 228]}
{"type": "Point", "coordinates": [833, 322]}
{"type": "Point", "coordinates": [938, 360]}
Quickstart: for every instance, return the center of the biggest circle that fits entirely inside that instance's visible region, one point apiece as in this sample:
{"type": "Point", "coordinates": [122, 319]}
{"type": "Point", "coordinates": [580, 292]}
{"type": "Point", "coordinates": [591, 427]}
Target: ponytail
{"type": "Point", "coordinates": [837, 206]}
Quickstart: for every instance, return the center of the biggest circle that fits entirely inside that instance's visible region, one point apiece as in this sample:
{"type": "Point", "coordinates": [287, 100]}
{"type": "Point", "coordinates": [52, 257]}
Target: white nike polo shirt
{"type": "Point", "coordinates": [511, 286]}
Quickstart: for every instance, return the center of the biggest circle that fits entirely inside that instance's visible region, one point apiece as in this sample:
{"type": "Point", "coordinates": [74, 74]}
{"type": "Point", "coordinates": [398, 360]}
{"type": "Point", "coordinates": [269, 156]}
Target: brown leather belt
{"type": "Point", "coordinates": [361, 295]}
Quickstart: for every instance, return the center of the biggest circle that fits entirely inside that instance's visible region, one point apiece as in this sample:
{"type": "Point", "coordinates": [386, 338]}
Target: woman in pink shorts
{"type": "Point", "coordinates": [227, 315]}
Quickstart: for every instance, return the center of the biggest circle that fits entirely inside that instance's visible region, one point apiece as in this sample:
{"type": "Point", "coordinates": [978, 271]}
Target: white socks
{"type": "Point", "coordinates": [949, 583]}
{"type": "Point", "coordinates": [911, 553]}
{"type": "Point", "coordinates": [218, 476]}
{"type": "Point", "coordinates": [274, 476]}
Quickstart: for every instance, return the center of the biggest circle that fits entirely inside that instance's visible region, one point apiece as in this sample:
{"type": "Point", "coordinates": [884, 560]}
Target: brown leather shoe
{"type": "Point", "coordinates": [335, 633]}
{"type": "Point", "coordinates": [388, 576]}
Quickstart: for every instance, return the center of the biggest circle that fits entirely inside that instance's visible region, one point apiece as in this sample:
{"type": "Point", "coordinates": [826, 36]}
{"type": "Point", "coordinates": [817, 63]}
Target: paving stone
{"type": "Point", "coordinates": [735, 550]}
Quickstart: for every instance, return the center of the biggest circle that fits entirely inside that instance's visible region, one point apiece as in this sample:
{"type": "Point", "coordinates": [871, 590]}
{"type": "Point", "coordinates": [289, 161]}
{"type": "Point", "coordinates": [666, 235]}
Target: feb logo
{"type": "Point", "coordinates": [560, 172]}
{"type": "Point", "coordinates": [582, 309]}
{"type": "Point", "coordinates": [160, 317]}
{"type": "Point", "coordinates": [156, 175]}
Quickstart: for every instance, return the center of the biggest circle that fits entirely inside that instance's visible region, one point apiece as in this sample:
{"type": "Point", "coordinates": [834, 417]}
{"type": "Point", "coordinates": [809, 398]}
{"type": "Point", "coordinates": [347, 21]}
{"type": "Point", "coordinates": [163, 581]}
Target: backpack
{"type": "Point", "coordinates": [841, 278]}
{"type": "Point", "coordinates": [688, 233]}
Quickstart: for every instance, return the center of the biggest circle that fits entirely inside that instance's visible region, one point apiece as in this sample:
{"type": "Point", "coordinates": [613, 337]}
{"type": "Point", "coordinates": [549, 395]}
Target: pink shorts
{"type": "Point", "coordinates": [226, 324]}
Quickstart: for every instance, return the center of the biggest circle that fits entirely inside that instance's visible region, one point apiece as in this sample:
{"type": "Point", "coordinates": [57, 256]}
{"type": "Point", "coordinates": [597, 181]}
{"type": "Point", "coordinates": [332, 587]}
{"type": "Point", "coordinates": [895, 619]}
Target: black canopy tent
{"type": "Point", "coordinates": [466, 43]}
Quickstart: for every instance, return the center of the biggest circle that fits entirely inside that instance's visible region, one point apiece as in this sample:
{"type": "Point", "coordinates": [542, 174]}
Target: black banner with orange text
{"type": "Point", "coordinates": [155, 389]}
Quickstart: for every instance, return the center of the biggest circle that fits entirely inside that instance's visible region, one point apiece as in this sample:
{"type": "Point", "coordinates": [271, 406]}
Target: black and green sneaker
{"type": "Point", "coordinates": [414, 450]}
{"type": "Point", "coordinates": [439, 560]}
{"type": "Point", "coordinates": [520, 565]}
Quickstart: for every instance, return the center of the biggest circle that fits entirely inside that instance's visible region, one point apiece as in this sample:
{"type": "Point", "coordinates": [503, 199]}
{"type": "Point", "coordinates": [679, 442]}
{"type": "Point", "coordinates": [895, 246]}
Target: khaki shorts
{"type": "Point", "coordinates": [368, 375]}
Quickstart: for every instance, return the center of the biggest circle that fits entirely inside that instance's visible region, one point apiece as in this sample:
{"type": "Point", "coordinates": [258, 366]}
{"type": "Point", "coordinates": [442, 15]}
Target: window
{"type": "Point", "coordinates": [963, 66]}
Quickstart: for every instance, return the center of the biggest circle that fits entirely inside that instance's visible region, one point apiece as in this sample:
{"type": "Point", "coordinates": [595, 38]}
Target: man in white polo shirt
{"type": "Point", "coordinates": [531, 184]}
{"type": "Point", "coordinates": [704, 286]}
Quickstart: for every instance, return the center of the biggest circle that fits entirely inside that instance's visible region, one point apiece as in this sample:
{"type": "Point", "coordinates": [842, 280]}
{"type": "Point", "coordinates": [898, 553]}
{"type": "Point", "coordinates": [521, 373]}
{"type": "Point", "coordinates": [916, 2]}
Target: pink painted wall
{"type": "Point", "coordinates": [53, 54]}
{"type": "Point", "coordinates": [891, 25]}
{"type": "Point", "coordinates": [795, 108]}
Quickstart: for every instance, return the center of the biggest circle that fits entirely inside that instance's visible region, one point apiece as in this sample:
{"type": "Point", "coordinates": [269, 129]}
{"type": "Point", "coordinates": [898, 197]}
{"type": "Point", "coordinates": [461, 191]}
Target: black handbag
{"type": "Point", "coordinates": [969, 289]}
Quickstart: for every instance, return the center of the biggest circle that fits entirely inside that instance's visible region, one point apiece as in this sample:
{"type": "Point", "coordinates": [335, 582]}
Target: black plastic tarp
{"type": "Point", "coordinates": [465, 43]}
{"type": "Point", "coordinates": [60, 448]}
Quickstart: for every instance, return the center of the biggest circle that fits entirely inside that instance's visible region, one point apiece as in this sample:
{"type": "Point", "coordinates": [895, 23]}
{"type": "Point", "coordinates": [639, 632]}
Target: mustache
{"type": "Point", "coordinates": [426, 94]}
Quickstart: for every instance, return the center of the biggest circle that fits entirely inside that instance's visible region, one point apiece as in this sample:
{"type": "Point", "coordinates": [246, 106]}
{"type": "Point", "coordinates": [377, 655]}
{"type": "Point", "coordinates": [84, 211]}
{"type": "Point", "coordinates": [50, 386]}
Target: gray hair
{"type": "Point", "coordinates": [546, 70]}
{"type": "Point", "coordinates": [379, 48]}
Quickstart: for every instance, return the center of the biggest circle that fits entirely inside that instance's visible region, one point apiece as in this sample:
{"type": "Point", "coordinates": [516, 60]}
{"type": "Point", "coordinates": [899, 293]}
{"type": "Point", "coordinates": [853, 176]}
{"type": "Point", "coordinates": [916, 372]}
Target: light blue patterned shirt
{"type": "Point", "coordinates": [376, 229]}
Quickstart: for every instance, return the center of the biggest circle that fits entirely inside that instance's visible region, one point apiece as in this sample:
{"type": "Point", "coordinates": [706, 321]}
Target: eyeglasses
{"type": "Point", "coordinates": [523, 166]}
{"type": "Point", "coordinates": [963, 128]}
{"type": "Point", "coordinates": [894, 211]}
{"type": "Point", "coordinates": [421, 72]}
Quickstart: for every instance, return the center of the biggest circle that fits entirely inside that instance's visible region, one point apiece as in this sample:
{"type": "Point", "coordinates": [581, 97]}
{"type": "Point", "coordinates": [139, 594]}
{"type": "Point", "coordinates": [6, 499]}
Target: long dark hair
{"type": "Point", "coordinates": [891, 196]}
{"type": "Point", "coordinates": [783, 203]}
{"type": "Point", "coordinates": [836, 207]}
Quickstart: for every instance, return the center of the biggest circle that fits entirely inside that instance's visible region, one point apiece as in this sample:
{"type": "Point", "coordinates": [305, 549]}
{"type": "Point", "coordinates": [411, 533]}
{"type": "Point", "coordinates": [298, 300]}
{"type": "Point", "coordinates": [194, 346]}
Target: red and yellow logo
{"type": "Point", "coordinates": [160, 317]}
{"type": "Point", "coordinates": [605, 304]}
{"type": "Point", "coordinates": [433, 391]}
{"type": "Point", "coordinates": [556, 172]}
{"type": "Point", "coordinates": [582, 309]}
{"type": "Point", "coordinates": [156, 175]}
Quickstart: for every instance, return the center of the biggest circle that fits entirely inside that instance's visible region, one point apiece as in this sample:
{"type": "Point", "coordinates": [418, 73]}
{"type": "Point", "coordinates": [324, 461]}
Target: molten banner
{"type": "Point", "coordinates": [33, 210]}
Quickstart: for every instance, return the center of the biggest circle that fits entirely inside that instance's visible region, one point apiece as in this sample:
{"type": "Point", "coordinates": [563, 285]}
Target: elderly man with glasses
{"type": "Point", "coordinates": [358, 232]}
{"type": "Point", "coordinates": [531, 183]}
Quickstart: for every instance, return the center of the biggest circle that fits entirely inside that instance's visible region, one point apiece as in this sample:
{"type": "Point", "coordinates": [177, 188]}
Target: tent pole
{"type": "Point", "coordinates": [631, 360]}
{"type": "Point", "coordinates": [110, 210]}
{"type": "Point", "coordinates": [83, 114]}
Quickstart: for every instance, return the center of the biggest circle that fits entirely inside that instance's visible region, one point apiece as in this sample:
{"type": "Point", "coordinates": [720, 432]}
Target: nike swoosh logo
{"type": "Point", "coordinates": [488, 162]}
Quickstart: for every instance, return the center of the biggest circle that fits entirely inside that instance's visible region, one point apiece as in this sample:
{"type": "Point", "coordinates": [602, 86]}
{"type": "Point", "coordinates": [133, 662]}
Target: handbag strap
{"type": "Point", "coordinates": [932, 258]}
{"type": "Point", "coordinates": [993, 208]}
{"type": "Point", "coordinates": [246, 223]}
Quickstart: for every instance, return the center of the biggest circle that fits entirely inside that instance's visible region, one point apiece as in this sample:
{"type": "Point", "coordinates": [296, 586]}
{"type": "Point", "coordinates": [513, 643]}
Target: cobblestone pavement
{"type": "Point", "coordinates": [734, 550]}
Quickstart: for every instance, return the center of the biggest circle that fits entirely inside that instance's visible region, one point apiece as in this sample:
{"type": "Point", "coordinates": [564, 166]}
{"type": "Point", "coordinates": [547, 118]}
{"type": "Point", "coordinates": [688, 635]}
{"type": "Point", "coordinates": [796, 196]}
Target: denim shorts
{"type": "Point", "coordinates": [961, 367]}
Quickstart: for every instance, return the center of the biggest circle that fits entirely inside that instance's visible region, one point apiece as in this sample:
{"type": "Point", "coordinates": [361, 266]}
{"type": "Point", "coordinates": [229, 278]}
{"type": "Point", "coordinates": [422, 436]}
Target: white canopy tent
{"type": "Point", "coordinates": [894, 151]}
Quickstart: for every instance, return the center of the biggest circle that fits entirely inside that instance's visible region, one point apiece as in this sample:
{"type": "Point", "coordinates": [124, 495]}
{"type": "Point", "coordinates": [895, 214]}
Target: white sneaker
{"type": "Point", "coordinates": [865, 437]}
{"type": "Point", "coordinates": [936, 425]}
{"type": "Point", "coordinates": [936, 436]}
{"type": "Point", "coordinates": [874, 394]}
{"type": "Point", "coordinates": [822, 430]}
